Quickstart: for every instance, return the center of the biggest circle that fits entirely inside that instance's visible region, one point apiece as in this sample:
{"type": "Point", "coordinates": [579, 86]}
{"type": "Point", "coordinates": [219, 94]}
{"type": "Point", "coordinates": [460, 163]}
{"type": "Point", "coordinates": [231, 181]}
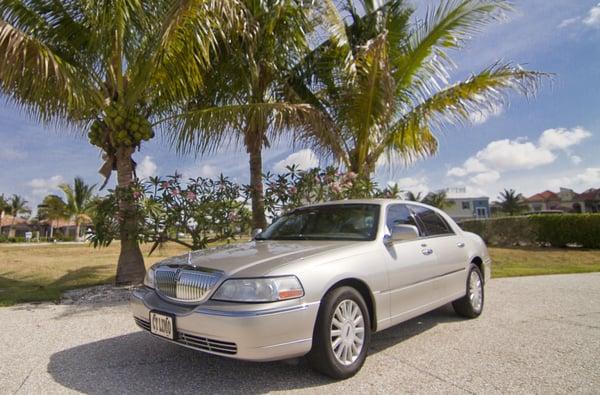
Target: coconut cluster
{"type": "Point", "coordinates": [120, 127]}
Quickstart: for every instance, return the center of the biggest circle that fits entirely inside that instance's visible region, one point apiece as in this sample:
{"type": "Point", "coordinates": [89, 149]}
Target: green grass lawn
{"type": "Point", "coordinates": [42, 273]}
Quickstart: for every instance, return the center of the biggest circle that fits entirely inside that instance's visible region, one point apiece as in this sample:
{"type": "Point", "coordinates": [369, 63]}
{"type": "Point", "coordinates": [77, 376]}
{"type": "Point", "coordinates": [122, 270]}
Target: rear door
{"type": "Point", "coordinates": [410, 266]}
{"type": "Point", "coordinates": [447, 246]}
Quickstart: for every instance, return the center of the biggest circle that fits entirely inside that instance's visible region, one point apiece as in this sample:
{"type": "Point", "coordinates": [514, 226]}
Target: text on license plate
{"type": "Point", "coordinates": [161, 325]}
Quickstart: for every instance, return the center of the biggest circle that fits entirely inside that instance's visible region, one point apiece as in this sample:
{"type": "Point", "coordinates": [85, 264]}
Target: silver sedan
{"type": "Point", "coordinates": [318, 282]}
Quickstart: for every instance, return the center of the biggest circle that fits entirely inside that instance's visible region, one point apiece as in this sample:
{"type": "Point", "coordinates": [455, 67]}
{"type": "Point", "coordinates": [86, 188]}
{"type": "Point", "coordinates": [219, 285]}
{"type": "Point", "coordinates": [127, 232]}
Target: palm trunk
{"type": "Point", "coordinates": [77, 230]}
{"type": "Point", "coordinates": [256, 183]}
{"type": "Point", "coordinates": [130, 268]}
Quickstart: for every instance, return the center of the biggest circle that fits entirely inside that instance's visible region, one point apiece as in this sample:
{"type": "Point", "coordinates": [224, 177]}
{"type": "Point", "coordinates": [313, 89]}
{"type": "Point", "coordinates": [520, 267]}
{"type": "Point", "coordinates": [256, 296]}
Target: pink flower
{"type": "Point", "coordinates": [232, 217]}
{"type": "Point", "coordinates": [335, 187]}
{"type": "Point", "coordinates": [351, 175]}
{"type": "Point", "coordinates": [164, 185]}
{"type": "Point", "coordinates": [137, 195]}
{"type": "Point", "coordinates": [175, 192]}
{"type": "Point", "coordinates": [293, 190]}
{"type": "Point", "coordinates": [190, 196]}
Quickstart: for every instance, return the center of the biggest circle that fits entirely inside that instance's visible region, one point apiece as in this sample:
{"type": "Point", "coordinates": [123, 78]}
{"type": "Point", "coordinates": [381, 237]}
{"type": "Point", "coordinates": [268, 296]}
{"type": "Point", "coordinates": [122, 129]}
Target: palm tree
{"type": "Point", "coordinates": [382, 78]}
{"type": "Point", "coordinates": [17, 206]}
{"type": "Point", "coordinates": [119, 68]}
{"type": "Point", "coordinates": [409, 195]}
{"type": "Point", "coordinates": [52, 209]}
{"type": "Point", "coordinates": [256, 109]}
{"type": "Point", "coordinates": [511, 202]}
{"type": "Point", "coordinates": [3, 209]}
{"type": "Point", "coordinates": [438, 199]}
{"type": "Point", "coordinates": [79, 202]}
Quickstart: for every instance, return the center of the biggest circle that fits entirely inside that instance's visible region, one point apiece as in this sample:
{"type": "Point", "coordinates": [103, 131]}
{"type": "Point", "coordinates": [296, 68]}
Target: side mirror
{"type": "Point", "coordinates": [255, 232]}
{"type": "Point", "coordinates": [404, 233]}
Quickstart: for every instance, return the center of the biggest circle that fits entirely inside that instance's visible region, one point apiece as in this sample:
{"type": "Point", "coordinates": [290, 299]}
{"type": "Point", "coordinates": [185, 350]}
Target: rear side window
{"type": "Point", "coordinates": [399, 214]}
{"type": "Point", "coordinates": [432, 223]}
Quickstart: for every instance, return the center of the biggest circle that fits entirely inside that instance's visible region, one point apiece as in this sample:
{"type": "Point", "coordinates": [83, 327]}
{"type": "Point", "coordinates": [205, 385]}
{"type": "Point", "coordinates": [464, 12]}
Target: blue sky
{"type": "Point", "coordinates": [549, 141]}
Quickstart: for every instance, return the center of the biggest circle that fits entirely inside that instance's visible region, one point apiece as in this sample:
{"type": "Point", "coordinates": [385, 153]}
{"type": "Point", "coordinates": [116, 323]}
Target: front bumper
{"type": "Point", "coordinates": [243, 331]}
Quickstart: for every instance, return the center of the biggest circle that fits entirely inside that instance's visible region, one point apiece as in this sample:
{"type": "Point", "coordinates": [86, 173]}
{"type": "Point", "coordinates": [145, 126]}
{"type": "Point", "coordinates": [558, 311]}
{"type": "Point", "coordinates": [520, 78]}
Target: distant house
{"type": "Point", "coordinates": [17, 227]}
{"type": "Point", "coordinates": [565, 200]}
{"type": "Point", "coordinates": [465, 205]}
{"type": "Point", "coordinates": [13, 226]}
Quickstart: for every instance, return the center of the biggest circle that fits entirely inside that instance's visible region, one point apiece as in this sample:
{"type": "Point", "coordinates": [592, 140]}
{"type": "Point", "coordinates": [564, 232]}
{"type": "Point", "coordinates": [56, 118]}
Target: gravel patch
{"type": "Point", "coordinates": [100, 294]}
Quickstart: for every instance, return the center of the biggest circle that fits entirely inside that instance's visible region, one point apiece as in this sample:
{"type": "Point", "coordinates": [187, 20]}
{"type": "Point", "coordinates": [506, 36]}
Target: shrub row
{"type": "Point", "coordinates": [556, 230]}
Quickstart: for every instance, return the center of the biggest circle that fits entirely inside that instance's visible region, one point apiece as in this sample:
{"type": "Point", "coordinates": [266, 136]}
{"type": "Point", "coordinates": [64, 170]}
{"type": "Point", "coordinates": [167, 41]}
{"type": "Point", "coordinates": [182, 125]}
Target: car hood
{"type": "Point", "coordinates": [255, 258]}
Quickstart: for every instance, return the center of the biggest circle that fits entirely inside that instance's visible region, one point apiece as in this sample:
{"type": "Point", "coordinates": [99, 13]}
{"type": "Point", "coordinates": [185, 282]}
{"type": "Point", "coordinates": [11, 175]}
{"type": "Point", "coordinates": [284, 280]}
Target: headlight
{"type": "Point", "coordinates": [266, 289]}
{"type": "Point", "coordinates": [149, 278]}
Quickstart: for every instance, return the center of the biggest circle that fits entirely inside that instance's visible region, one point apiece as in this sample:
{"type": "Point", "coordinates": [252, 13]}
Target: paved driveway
{"type": "Point", "coordinates": [537, 334]}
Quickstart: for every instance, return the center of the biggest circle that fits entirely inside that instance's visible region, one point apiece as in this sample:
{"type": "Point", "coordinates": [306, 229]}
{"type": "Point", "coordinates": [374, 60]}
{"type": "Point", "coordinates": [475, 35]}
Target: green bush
{"type": "Point", "coordinates": [504, 232]}
{"type": "Point", "coordinates": [567, 229]}
{"type": "Point", "coordinates": [556, 230]}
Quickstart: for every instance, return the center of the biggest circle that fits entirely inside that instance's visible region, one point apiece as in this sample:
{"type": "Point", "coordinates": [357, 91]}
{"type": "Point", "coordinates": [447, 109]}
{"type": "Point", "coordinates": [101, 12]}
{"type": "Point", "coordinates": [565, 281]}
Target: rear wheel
{"type": "Point", "coordinates": [342, 334]}
{"type": "Point", "coordinates": [471, 305]}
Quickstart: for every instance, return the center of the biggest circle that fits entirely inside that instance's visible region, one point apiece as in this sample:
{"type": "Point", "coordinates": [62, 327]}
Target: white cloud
{"type": "Point", "coordinates": [593, 17]}
{"type": "Point", "coordinates": [567, 22]}
{"type": "Point", "coordinates": [562, 138]}
{"type": "Point", "coordinates": [43, 186]}
{"type": "Point", "coordinates": [8, 153]}
{"type": "Point", "coordinates": [479, 117]}
{"type": "Point", "coordinates": [485, 178]}
{"type": "Point", "coordinates": [303, 159]}
{"type": "Point", "coordinates": [471, 165]}
{"type": "Point", "coordinates": [583, 179]}
{"type": "Point", "coordinates": [412, 184]}
{"type": "Point", "coordinates": [487, 165]}
{"type": "Point", "coordinates": [147, 168]}
{"type": "Point", "coordinates": [503, 155]}
{"type": "Point", "coordinates": [576, 159]}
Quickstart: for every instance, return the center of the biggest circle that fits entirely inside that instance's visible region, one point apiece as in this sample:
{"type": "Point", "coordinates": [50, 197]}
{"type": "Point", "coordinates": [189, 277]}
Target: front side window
{"type": "Point", "coordinates": [466, 205]}
{"type": "Point", "coordinates": [327, 222]}
{"type": "Point", "coordinates": [432, 223]}
{"type": "Point", "coordinates": [399, 214]}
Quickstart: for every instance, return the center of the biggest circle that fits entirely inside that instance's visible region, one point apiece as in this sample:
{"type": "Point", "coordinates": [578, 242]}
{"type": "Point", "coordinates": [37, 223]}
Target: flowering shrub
{"type": "Point", "coordinates": [203, 209]}
{"type": "Point", "coordinates": [295, 188]}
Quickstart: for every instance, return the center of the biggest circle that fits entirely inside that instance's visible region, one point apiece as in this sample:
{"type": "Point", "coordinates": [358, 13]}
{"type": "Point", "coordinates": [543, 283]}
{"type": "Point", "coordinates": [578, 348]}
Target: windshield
{"type": "Point", "coordinates": [327, 222]}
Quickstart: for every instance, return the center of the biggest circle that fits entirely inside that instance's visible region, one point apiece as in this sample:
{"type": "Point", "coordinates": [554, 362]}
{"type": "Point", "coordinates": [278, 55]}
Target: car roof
{"type": "Point", "coordinates": [381, 202]}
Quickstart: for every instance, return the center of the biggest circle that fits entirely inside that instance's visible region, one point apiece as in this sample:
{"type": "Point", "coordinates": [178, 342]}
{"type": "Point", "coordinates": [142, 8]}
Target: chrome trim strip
{"type": "Point", "coordinates": [289, 343]}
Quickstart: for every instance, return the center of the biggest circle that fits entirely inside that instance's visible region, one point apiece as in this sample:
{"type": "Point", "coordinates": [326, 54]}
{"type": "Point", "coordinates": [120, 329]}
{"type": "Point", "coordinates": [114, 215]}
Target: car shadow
{"type": "Point", "coordinates": [138, 362]}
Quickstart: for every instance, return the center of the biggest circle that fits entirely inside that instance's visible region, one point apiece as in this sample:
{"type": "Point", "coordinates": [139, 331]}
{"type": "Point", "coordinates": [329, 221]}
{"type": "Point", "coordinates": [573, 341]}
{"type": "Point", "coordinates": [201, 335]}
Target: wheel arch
{"type": "Point", "coordinates": [477, 261]}
{"type": "Point", "coordinates": [365, 292]}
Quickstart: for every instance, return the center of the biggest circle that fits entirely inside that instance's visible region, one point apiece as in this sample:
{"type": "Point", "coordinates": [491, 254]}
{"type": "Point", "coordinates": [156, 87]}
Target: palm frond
{"type": "Point", "coordinates": [455, 105]}
{"type": "Point", "coordinates": [39, 79]}
{"type": "Point", "coordinates": [425, 59]}
{"type": "Point", "coordinates": [207, 129]}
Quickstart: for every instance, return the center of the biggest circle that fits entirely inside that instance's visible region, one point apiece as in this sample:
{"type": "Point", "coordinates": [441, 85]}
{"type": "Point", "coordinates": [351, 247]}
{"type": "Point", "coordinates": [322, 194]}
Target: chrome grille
{"type": "Point", "coordinates": [197, 342]}
{"type": "Point", "coordinates": [185, 285]}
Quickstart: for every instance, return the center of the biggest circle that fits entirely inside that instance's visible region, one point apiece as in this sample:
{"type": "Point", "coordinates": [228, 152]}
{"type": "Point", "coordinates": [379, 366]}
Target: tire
{"type": "Point", "coordinates": [341, 303]}
{"type": "Point", "coordinates": [471, 305]}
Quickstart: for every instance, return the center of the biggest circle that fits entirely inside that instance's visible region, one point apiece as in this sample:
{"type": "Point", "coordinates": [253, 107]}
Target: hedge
{"type": "Point", "coordinates": [556, 230]}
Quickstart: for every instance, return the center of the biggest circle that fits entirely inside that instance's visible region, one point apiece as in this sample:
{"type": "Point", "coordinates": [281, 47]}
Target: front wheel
{"type": "Point", "coordinates": [342, 334]}
{"type": "Point", "coordinates": [471, 305]}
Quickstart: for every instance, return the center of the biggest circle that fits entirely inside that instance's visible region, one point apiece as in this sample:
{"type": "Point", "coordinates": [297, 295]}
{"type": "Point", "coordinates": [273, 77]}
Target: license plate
{"type": "Point", "coordinates": [162, 325]}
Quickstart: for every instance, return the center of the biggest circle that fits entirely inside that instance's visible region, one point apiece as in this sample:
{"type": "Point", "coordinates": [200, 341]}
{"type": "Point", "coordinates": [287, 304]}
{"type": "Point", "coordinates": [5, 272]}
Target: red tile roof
{"type": "Point", "coordinates": [590, 194]}
{"type": "Point", "coordinates": [543, 197]}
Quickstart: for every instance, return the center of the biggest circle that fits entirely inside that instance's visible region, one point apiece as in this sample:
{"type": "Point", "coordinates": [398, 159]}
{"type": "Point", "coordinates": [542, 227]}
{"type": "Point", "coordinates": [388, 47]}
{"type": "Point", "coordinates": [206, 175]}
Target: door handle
{"type": "Point", "coordinates": [460, 244]}
{"type": "Point", "coordinates": [427, 251]}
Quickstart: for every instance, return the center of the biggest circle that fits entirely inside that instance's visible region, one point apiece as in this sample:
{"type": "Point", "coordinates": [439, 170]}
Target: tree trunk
{"type": "Point", "coordinates": [256, 183]}
{"type": "Point", "coordinates": [130, 268]}
{"type": "Point", "coordinates": [77, 230]}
